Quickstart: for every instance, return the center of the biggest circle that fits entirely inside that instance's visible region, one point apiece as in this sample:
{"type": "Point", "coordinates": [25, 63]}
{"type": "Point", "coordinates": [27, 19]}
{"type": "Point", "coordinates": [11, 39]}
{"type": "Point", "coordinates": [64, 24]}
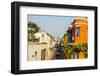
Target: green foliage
{"type": "Point", "coordinates": [32, 29]}
{"type": "Point", "coordinates": [71, 50]}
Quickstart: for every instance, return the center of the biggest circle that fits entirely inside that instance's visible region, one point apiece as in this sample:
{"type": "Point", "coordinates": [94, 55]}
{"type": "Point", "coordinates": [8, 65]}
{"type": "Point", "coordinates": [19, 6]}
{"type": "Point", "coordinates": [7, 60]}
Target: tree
{"type": "Point", "coordinates": [32, 29]}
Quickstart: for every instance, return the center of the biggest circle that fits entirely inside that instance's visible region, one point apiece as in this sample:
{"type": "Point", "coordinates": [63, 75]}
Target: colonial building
{"type": "Point", "coordinates": [36, 51]}
{"type": "Point", "coordinates": [76, 38]}
{"type": "Point", "coordinates": [78, 31]}
{"type": "Point", "coordinates": [43, 49]}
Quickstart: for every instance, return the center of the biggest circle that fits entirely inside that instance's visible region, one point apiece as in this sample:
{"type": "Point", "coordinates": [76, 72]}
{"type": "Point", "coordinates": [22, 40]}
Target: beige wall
{"type": "Point", "coordinates": [45, 42]}
{"type": "Point", "coordinates": [37, 47]}
{"type": "Point", "coordinates": [32, 48]}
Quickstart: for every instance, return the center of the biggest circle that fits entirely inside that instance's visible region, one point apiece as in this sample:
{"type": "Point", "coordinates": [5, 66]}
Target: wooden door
{"type": "Point", "coordinates": [43, 53]}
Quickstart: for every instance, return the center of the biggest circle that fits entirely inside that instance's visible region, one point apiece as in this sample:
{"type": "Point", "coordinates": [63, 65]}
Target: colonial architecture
{"type": "Point", "coordinates": [78, 31]}
{"type": "Point", "coordinates": [76, 39]}
{"type": "Point", "coordinates": [43, 49]}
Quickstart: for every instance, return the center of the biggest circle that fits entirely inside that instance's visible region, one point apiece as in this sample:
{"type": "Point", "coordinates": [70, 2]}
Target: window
{"type": "Point", "coordinates": [42, 35]}
{"type": "Point", "coordinates": [35, 54]}
{"type": "Point", "coordinates": [69, 36]}
{"type": "Point", "coordinates": [77, 32]}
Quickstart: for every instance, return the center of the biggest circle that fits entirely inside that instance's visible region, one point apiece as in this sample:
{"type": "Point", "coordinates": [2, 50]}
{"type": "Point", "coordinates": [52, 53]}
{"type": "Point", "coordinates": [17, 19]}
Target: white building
{"type": "Point", "coordinates": [43, 49]}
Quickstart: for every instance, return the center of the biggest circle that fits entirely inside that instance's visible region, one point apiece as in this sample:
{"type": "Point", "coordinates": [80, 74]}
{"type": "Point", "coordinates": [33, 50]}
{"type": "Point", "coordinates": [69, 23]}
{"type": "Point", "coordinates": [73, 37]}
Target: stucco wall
{"type": "Point", "coordinates": [32, 48]}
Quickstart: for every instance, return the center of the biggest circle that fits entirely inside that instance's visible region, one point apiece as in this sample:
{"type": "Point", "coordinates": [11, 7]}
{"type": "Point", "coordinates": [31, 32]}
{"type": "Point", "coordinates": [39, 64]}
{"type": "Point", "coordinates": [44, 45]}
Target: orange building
{"type": "Point", "coordinates": [78, 31]}
{"type": "Point", "coordinates": [77, 34]}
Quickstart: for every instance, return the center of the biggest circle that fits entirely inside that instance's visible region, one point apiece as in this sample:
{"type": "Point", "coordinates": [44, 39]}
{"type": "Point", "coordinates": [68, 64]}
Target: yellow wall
{"type": "Point", "coordinates": [65, 39]}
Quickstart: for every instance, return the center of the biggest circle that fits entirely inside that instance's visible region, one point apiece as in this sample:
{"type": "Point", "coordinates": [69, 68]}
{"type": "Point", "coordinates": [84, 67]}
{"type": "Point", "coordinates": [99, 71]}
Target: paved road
{"type": "Point", "coordinates": [60, 52]}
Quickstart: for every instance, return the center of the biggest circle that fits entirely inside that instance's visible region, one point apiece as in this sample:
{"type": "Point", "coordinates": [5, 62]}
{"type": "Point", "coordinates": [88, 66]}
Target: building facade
{"type": "Point", "coordinates": [78, 31]}
{"type": "Point", "coordinates": [43, 49]}
{"type": "Point", "coordinates": [76, 39]}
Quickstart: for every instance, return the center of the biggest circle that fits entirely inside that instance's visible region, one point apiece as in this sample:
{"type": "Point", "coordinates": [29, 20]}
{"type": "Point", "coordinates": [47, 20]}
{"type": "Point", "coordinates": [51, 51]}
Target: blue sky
{"type": "Point", "coordinates": [54, 25]}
